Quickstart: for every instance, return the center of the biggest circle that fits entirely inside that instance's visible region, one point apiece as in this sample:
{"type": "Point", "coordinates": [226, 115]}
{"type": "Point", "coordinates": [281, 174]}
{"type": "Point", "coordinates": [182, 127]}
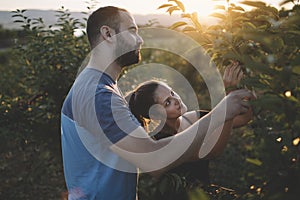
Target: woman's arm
{"type": "Point", "coordinates": [232, 77]}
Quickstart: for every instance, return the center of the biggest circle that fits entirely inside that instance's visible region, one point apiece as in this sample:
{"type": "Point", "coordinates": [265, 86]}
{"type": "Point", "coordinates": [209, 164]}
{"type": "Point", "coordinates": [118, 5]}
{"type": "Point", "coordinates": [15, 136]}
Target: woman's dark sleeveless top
{"type": "Point", "coordinates": [196, 170]}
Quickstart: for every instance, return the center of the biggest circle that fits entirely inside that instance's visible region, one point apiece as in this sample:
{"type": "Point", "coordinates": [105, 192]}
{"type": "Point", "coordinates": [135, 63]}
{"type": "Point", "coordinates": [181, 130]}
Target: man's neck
{"type": "Point", "coordinates": [113, 71]}
{"type": "Point", "coordinates": [105, 65]}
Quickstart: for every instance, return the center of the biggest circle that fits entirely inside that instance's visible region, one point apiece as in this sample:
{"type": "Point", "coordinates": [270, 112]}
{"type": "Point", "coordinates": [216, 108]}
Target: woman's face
{"type": "Point", "coordinates": [170, 101]}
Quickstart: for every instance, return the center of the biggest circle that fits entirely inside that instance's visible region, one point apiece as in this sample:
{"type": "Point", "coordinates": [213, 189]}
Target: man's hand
{"type": "Point", "coordinates": [237, 103]}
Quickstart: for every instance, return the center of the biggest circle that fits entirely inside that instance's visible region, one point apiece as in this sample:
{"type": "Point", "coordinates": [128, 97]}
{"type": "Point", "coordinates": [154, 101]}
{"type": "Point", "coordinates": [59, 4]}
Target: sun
{"type": "Point", "coordinates": [203, 7]}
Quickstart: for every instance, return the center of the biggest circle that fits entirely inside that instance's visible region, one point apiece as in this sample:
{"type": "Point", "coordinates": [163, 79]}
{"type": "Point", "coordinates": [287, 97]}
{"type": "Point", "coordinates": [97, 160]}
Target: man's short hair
{"type": "Point", "coordinates": [109, 16]}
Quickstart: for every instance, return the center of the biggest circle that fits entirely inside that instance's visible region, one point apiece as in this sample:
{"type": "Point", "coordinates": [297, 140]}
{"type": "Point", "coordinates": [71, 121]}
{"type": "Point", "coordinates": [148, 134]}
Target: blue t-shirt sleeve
{"type": "Point", "coordinates": [114, 116]}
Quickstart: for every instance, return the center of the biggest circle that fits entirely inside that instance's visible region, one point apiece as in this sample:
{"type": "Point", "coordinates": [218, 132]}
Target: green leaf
{"type": "Point", "coordinates": [263, 18]}
{"type": "Point", "coordinates": [218, 15]}
{"type": "Point", "coordinates": [296, 69]}
{"type": "Point", "coordinates": [176, 181]}
{"type": "Point", "coordinates": [257, 4]}
{"type": "Point", "coordinates": [270, 43]}
{"type": "Point", "coordinates": [17, 15]}
{"type": "Point", "coordinates": [285, 2]}
{"type": "Point", "coordinates": [249, 26]}
{"type": "Point", "coordinates": [293, 32]}
{"type": "Point", "coordinates": [230, 55]}
{"type": "Point", "coordinates": [18, 21]}
{"type": "Point", "coordinates": [196, 21]}
{"type": "Point", "coordinates": [215, 27]}
{"type": "Point", "coordinates": [219, 7]}
{"type": "Point", "coordinates": [197, 194]}
{"type": "Point", "coordinates": [254, 161]}
{"type": "Point", "coordinates": [20, 11]}
{"type": "Point", "coordinates": [241, 19]}
{"type": "Point", "coordinates": [172, 9]}
{"type": "Point", "coordinates": [293, 99]}
{"type": "Point", "coordinates": [180, 5]}
{"type": "Point", "coordinates": [186, 15]}
{"type": "Point", "coordinates": [177, 24]}
{"type": "Point", "coordinates": [273, 11]}
{"type": "Point", "coordinates": [164, 6]}
{"type": "Point", "coordinates": [239, 8]}
{"type": "Point", "coordinates": [188, 28]}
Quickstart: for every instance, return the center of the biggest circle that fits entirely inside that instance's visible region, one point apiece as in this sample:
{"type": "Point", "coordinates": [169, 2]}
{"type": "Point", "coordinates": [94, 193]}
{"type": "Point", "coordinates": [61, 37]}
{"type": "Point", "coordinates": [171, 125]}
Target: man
{"type": "Point", "coordinates": [102, 142]}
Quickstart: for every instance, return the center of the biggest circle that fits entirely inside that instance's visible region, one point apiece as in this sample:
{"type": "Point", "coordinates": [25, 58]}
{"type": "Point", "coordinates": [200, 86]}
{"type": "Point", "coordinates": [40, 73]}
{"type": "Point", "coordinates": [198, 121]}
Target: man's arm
{"type": "Point", "coordinates": [216, 142]}
{"type": "Point", "coordinates": [242, 120]}
{"type": "Point", "coordinates": [162, 155]}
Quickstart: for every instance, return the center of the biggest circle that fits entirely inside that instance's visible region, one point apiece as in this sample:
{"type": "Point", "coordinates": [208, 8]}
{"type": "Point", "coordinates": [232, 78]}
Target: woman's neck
{"type": "Point", "coordinates": [172, 124]}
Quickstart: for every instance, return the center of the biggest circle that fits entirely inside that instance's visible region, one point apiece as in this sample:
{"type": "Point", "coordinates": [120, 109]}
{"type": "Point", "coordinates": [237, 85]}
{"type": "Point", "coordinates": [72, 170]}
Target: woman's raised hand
{"type": "Point", "coordinates": [232, 76]}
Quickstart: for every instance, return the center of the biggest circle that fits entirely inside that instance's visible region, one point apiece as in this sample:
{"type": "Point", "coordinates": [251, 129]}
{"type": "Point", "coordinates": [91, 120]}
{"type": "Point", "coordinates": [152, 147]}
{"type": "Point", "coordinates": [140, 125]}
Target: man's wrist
{"type": "Point", "coordinates": [230, 89]}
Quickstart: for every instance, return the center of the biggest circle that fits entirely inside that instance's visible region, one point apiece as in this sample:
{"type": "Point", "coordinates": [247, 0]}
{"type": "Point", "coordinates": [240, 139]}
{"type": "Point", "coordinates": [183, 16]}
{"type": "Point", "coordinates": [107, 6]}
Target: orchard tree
{"type": "Point", "coordinates": [263, 161]}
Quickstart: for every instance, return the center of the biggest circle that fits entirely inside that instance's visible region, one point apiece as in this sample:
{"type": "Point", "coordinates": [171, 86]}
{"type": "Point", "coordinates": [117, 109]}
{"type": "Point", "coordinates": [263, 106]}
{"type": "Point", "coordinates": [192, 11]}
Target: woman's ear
{"type": "Point", "coordinates": [106, 33]}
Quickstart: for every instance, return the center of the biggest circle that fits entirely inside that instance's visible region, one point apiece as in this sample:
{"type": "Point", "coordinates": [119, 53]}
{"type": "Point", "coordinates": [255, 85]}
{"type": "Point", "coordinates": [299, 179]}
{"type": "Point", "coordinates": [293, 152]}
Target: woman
{"type": "Point", "coordinates": [156, 101]}
{"type": "Point", "coordinates": [171, 108]}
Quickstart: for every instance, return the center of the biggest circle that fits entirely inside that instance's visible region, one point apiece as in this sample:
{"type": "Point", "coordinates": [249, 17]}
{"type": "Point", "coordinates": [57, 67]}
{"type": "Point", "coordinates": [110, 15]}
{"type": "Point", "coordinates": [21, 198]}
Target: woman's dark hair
{"type": "Point", "coordinates": [141, 99]}
{"type": "Point", "coordinates": [108, 16]}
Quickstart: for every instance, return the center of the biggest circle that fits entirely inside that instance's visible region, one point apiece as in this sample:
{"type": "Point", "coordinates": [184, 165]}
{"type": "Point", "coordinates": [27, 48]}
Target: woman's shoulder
{"type": "Point", "coordinates": [201, 113]}
{"type": "Point", "coordinates": [194, 115]}
{"type": "Point", "coordinates": [190, 117]}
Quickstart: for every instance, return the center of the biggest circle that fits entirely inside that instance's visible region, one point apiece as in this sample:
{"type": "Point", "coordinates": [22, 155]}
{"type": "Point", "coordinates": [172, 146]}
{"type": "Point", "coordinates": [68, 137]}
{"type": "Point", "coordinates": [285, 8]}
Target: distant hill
{"type": "Point", "coordinates": [49, 17]}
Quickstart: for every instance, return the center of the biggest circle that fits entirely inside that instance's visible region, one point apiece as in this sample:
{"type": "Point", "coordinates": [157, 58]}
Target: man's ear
{"type": "Point", "coordinates": [106, 33]}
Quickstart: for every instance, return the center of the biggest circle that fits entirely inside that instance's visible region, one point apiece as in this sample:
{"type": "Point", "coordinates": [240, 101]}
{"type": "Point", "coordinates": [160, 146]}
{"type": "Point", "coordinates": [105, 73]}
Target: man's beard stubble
{"type": "Point", "coordinates": [126, 55]}
{"type": "Point", "coordinates": [129, 58]}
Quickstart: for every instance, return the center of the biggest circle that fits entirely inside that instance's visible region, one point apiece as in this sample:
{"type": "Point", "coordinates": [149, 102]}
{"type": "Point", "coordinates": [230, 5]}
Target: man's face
{"type": "Point", "coordinates": [128, 41]}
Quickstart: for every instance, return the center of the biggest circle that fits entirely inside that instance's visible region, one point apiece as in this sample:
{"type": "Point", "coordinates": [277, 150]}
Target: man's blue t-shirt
{"type": "Point", "coordinates": [95, 116]}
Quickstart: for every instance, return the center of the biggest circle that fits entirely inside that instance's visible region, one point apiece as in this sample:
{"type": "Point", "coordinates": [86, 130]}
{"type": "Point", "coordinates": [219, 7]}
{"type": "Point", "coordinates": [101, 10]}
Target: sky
{"type": "Point", "coordinates": [202, 7]}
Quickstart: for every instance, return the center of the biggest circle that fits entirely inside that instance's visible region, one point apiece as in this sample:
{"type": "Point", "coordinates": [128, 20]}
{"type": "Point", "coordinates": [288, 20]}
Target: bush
{"type": "Point", "coordinates": [36, 78]}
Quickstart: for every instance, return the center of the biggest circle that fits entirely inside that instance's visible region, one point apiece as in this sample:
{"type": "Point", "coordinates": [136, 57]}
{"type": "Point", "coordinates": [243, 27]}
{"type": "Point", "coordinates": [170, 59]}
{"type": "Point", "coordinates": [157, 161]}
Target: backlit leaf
{"type": "Point", "coordinates": [177, 24]}
{"type": "Point", "coordinates": [164, 6]}
{"type": "Point", "coordinates": [188, 28]}
{"type": "Point", "coordinates": [218, 15]}
{"type": "Point", "coordinates": [172, 9]}
{"type": "Point", "coordinates": [220, 7]}
{"type": "Point", "coordinates": [257, 4]}
{"type": "Point", "coordinates": [296, 69]}
{"type": "Point", "coordinates": [254, 161]}
{"type": "Point", "coordinates": [180, 5]}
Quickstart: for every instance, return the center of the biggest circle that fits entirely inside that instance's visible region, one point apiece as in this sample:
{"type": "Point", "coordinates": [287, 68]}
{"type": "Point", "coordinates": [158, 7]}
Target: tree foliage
{"type": "Point", "coordinates": [261, 160]}
{"type": "Point", "coordinates": [35, 78]}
